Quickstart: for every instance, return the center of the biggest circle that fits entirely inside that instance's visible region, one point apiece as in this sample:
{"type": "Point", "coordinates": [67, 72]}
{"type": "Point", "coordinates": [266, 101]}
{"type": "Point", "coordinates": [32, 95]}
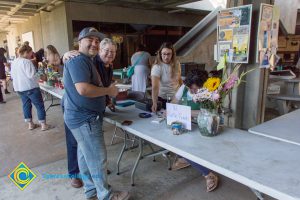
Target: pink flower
{"type": "Point", "coordinates": [215, 96]}
{"type": "Point", "coordinates": [231, 82]}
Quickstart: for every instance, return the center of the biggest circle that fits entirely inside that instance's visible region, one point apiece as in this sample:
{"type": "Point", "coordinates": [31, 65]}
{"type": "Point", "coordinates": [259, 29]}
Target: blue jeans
{"type": "Point", "coordinates": [29, 97]}
{"type": "Point", "coordinates": [92, 158]}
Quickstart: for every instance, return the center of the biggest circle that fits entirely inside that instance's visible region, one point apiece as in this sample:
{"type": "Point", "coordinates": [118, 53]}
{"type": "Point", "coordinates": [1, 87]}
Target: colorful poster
{"type": "Point", "coordinates": [242, 30]}
{"type": "Point", "coordinates": [240, 48]}
{"type": "Point", "coordinates": [234, 25]}
{"type": "Point", "coordinates": [267, 42]}
{"type": "Point", "coordinates": [228, 22]}
{"type": "Point", "coordinates": [275, 28]}
{"type": "Point", "coordinates": [245, 17]}
{"type": "Point", "coordinates": [267, 13]}
{"type": "Point", "coordinates": [224, 48]}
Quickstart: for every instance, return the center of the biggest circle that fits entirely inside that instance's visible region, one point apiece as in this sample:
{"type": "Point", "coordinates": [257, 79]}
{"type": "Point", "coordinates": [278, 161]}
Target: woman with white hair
{"type": "Point", "coordinates": [103, 62]}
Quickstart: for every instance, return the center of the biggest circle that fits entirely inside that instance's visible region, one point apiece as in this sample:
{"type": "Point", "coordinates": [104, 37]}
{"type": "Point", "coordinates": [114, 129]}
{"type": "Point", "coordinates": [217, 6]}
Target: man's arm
{"type": "Point", "coordinates": [89, 90]}
{"type": "Point", "coordinates": [155, 91]}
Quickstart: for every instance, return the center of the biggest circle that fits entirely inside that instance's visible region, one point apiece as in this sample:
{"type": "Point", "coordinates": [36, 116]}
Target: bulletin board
{"type": "Point", "coordinates": [267, 42]}
{"type": "Point", "coordinates": [234, 27]}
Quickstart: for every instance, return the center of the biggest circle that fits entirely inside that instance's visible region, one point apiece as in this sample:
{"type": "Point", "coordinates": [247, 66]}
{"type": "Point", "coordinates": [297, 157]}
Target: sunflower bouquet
{"type": "Point", "coordinates": [215, 90]}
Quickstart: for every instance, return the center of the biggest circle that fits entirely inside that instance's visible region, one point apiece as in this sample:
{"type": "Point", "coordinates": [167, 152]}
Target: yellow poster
{"type": "Point", "coordinates": [225, 35]}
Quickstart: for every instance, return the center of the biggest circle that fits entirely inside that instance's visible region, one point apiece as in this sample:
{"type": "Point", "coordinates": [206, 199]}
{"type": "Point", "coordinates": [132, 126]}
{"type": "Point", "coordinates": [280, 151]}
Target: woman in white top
{"type": "Point", "coordinates": [25, 83]}
{"type": "Point", "coordinates": [165, 75]}
{"type": "Point", "coordinates": [141, 59]}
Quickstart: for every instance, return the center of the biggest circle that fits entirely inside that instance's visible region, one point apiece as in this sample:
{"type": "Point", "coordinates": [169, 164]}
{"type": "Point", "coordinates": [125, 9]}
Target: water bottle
{"type": "Point", "coordinates": [184, 101]}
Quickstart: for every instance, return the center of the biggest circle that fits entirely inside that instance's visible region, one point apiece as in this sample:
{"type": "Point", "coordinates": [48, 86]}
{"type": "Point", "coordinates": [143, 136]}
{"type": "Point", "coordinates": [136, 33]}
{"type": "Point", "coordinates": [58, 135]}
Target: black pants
{"type": "Point", "coordinates": [73, 168]}
{"type": "Point", "coordinates": [1, 96]}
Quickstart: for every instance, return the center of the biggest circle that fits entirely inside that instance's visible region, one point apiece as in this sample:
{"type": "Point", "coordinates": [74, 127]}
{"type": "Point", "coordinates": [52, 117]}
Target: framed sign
{"type": "Point", "coordinates": [234, 27]}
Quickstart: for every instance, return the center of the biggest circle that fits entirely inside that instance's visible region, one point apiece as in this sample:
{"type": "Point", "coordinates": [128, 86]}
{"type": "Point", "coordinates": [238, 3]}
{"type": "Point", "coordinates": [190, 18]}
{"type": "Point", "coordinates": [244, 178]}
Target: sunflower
{"type": "Point", "coordinates": [212, 83]}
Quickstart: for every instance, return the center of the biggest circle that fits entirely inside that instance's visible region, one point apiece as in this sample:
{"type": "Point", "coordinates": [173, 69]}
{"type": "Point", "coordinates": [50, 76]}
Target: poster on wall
{"type": "Point", "coordinates": [267, 42]}
{"type": "Point", "coordinates": [234, 25]}
{"type": "Point", "coordinates": [28, 37]}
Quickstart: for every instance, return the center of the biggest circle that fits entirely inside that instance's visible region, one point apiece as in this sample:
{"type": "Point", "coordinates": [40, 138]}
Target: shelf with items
{"type": "Point", "coordinates": [288, 49]}
{"type": "Point", "coordinates": [288, 57]}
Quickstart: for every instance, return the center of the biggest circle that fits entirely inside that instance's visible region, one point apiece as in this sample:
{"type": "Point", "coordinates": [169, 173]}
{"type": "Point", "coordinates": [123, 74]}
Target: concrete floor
{"type": "Point", "coordinates": [45, 153]}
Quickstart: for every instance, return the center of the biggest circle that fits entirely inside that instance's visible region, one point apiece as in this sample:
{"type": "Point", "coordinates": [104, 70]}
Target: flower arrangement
{"type": "Point", "coordinates": [214, 90]}
{"type": "Point", "coordinates": [52, 75]}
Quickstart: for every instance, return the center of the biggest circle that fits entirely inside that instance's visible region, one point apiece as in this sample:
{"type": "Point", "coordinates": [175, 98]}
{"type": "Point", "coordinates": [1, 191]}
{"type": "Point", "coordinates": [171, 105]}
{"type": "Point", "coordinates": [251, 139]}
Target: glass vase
{"type": "Point", "coordinates": [208, 122]}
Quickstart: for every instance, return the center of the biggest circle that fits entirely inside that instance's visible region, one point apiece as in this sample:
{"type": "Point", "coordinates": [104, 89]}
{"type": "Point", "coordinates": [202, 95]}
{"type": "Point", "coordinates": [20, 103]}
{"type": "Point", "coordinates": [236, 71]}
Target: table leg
{"type": "Point", "coordinates": [154, 160]}
{"type": "Point", "coordinates": [52, 103]}
{"type": "Point", "coordinates": [117, 136]}
{"type": "Point", "coordinates": [168, 159]}
{"type": "Point", "coordinates": [257, 194]}
{"type": "Point", "coordinates": [114, 135]}
{"type": "Point", "coordinates": [122, 152]}
{"type": "Point", "coordinates": [137, 160]}
{"type": "Point", "coordinates": [282, 106]}
{"type": "Point", "coordinates": [290, 88]}
{"type": "Point", "coordinates": [297, 88]}
{"type": "Point", "coordinates": [141, 156]}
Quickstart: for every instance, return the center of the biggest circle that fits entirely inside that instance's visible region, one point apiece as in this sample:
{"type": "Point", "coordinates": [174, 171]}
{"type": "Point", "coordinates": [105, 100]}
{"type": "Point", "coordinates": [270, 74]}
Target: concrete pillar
{"type": "Point", "coordinates": [247, 101]}
{"type": "Point", "coordinates": [69, 25]}
{"type": "Point", "coordinates": [289, 19]}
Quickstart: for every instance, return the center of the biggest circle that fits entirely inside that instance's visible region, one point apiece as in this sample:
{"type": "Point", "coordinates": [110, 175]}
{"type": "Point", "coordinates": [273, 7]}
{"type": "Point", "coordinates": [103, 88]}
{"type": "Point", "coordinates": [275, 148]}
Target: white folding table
{"type": "Point", "coordinates": [266, 165]}
{"type": "Point", "coordinates": [285, 128]}
{"type": "Point", "coordinates": [54, 92]}
{"type": "Point", "coordinates": [262, 163]}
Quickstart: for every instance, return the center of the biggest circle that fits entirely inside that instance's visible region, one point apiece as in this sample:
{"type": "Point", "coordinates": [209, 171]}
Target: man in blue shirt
{"type": "Point", "coordinates": [84, 104]}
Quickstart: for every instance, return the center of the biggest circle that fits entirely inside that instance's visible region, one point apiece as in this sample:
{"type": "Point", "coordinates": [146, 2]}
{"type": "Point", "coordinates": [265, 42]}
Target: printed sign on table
{"type": "Point", "coordinates": [179, 113]}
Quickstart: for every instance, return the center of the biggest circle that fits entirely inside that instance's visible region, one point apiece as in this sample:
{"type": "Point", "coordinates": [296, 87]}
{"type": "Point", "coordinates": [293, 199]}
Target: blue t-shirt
{"type": "Point", "coordinates": [80, 109]}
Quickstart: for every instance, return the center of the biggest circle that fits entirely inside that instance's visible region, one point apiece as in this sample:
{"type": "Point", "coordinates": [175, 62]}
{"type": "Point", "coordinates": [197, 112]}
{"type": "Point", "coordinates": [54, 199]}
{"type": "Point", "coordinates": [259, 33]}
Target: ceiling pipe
{"type": "Point", "coordinates": [13, 10]}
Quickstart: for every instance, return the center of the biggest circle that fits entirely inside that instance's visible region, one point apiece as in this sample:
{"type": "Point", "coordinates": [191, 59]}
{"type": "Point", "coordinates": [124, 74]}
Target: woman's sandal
{"type": "Point", "coordinates": [211, 182]}
{"type": "Point", "coordinates": [46, 127]}
{"type": "Point", "coordinates": [33, 126]}
{"type": "Point", "coordinates": [180, 163]}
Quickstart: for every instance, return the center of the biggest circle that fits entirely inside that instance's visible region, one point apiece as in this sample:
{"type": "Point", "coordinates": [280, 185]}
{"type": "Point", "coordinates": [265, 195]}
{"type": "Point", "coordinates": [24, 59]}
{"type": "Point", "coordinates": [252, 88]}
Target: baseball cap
{"type": "Point", "coordinates": [90, 31]}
